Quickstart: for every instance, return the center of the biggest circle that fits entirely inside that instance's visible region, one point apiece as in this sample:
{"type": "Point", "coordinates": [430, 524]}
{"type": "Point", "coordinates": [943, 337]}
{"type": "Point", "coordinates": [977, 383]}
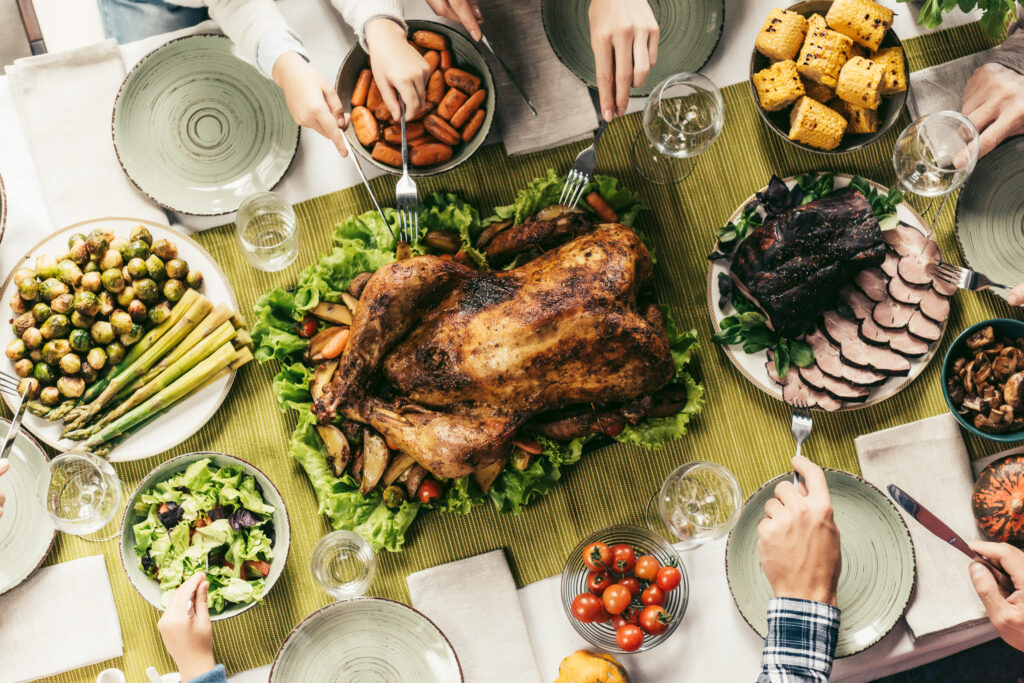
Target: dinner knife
{"type": "Point", "coordinates": [12, 433]}
{"type": "Point", "coordinates": [508, 72]}
{"type": "Point", "coordinates": [940, 529]}
{"type": "Point", "coordinates": [366, 183]}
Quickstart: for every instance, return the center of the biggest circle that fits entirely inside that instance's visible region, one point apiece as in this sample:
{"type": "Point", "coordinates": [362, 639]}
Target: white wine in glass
{"type": "Point", "coordinates": [81, 492]}
{"type": "Point", "coordinates": [699, 502]}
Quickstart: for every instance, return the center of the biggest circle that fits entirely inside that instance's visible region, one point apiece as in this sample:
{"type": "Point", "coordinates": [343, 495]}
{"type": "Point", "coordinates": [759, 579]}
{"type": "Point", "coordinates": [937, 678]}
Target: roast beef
{"type": "Point", "coordinates": [794, 264]}
{"type": "Point", "coordinates": [923, 328]}
{"type": "Point", "coordinates": [854, 351]}
{"type": "Point", "coordinates": [873, 283]}
{"type": "Point", "coordinates": [905, 240]}
{"type": "Point", "coordinates": [891, 314]}
{"type": "Point", "coordinates": [796, 393]}
{"type": "Point", "coordinates": [826, 357]}
{"type": "Point", "coordinates": [905, 293]}
{"type": "Point", "coordinates": [838, 389]}
{"type": "Point", "coordinates": [901, 341]}
{"type": "Point", "coordinates": [935, 306]}
{"type": "Point", "coordinates": [891, 263]}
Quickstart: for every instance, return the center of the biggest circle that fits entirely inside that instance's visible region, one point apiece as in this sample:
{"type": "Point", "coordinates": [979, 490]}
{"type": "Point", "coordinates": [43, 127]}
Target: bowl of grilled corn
{"type": "Point", "coordinates": [829, 76]}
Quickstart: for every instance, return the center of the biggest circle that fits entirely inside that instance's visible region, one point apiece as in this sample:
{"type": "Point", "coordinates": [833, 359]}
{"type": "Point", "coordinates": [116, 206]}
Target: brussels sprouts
{"type": "Point", "coordinates": [111, 259]}
{"type": "Point", "coordinates": [133, 336]}
{"type": "Point", "coordinates": [90, 267]}
{"type": "Point", "coordinates": [106, 300]}
{"type": "Point", "coordinates": [62, 303]}
{"type": "Point", "coordinates": [97, 242]}
{"type": "Point", "coordinates": [41, 312]}
{"type": "Point", "coordinates": [80, 321]}
{"type": "Point", "coordinates": [71, 387]}
{"type": "Point", "coordinates": [32, 338]}
{"type": "Point", "coordinates": [80, 340]}
{"type": "Point", "coordinates": [160, 313]}
{"type": "Point", "coordinates": [393, 496]}
{"type": "Point", "coordinates": [115, 353]}
{"type": "Point", "coordinates": [156, 268]}
{"type": "Point", "coordinates": [76, 239]}
{"type": "Point", "coordinates": [97, 358]}
{"type": "Point", "coordinates": [78, 253]}
{"type": "Point", "coordinates": [92, 282]}
{"type": "Point", "coordinates": [46, 266]}
{"type": "Point", "coordinates": [44, 373]}
{"type": "Point", "coordinates": [141, 233]}
{"type": "Point", "coordinates": [117, 244]}
{"type": "Point", "coordinates": [176, 269]}
{"type": "Point", "coordinates": [174, 290]}
{"type": "Point", "coordinates": [51, 288]}
{"type": "Point", "coordinates": [29, 386]}
{"type": "Point", "coordinates": [147, 291]}
{"type": "Point", "coordinates": [102, 332]}
{"type": "Point", "coordinates": [23, 367]}
{"type": "Point", "coordinates": [137, 269]}
{"type": "Point", "coordinates": [22, 274]}
{"type": "Point", "coordinates": [56, 326]}
{"type": "Point", "coordinates": [69, 273]}
{"type": "Point", "coordinates": [35, 355]}
{"type": "Point", "coordinates": [87, 303]}
{"type": "Point", "coordinates": [121, 322]}
{"type": "Point", "coordinates": [165, 249]}
{"type": "Point", "coordinates": [70, 364]}
{"type": "Point", "coordinates": [137, 310]}
{"type": "Point", "coordinates": [88, 372]}
{"type": "Point", "coordinates": [50, 396]}
{"type": "Point", "coordinates": [18, 305]}
{"type": "Point", "coordinates": [136, 249]}
{"type": "Point", "coordinates": [55, 349]}
{"type": "Point", "coordinates": [125, 296]}
{"type": "Point", "coordinates": [29, 289]}
{"type": "Point", "coordinates": [16, 350]}
{"type": "Point", "coordinates": [22, 323]}
{"type": "Point", "coordinates": [113, 280]}
{"type": "Point", "coordinates": [125, 274]}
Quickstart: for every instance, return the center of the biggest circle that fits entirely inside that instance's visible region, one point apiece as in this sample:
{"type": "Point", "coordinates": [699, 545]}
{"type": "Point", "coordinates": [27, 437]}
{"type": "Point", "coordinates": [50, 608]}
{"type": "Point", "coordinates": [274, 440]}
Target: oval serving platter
{"type": "Point", "coordinates": [197, 129]}
{"type": "Point", "coordinates": [878, 572]}
{"type": "Point", "coordinates": [752, 366]}
{"type": "Point", "coordinates": [183, 419]}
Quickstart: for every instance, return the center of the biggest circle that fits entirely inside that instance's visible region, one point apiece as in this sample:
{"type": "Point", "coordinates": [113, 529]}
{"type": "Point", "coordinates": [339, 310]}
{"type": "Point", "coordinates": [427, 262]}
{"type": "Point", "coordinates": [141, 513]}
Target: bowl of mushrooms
{"type": "Point", "coordinates": [983, 379]}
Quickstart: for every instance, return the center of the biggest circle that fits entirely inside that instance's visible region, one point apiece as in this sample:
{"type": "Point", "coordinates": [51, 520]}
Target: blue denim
{"type": "Point", "coordinates": [128, 20]}
{"type": "Point", "coordinates": [214, 675]}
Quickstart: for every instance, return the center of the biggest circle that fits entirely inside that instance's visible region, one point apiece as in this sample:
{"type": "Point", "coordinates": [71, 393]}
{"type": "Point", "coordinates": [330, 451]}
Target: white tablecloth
{"type": "Point", "coordinates": [713, 643]}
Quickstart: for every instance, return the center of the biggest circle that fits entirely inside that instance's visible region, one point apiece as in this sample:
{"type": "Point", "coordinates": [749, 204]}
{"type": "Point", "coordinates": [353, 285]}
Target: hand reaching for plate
{"type": "Point", "coordinates": [5, 465]}
{"type": "Point", "coordinates": [399, 69]}
{"type": "Point", "coordinates": [312, 100]}
{"type": "Point", "coordinates": [185, 628]}
{"type": "Point", "coordinates": [624, 37]}
{"type": "Point", "coordinates": [1006, 612]}
{"type": "Point", "coordinates": [798, 539]}
{"type": "Point", "coordinates": [465, 12]}
{"type": "Point", "coordinates": [994, 101]}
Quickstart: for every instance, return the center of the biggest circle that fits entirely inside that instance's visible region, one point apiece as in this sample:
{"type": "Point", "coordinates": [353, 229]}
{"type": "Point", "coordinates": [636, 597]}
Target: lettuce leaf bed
{"type": "Point", "coordinates": [364, 243]}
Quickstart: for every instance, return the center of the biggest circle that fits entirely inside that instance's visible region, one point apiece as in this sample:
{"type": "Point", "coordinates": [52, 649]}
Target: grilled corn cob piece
{"type": "Point", "coordinates": [817, 91]}
{"type": "Point", "coordinates": [815, 124]}
{"type": "Point", "coordinates": [781, 35]}
{"type": "Point", "coordinates": [823, 53]}
{"type": "Point", "coordinates": [863, 21]}
{"type": "Point", "coordinates": [779, 85]}
{"type": "Point", "coordinates": [894, 69]}
{"type": "Point", "coordinates": [860, 83]}
{"type": "Point", "coordinates": [858, 119]}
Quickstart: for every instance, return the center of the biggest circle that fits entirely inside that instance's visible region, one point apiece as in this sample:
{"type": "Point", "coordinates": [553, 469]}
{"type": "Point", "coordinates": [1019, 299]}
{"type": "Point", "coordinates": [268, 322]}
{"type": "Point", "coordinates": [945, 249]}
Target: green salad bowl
{"type": "Point", "coordinates": [150, 589]}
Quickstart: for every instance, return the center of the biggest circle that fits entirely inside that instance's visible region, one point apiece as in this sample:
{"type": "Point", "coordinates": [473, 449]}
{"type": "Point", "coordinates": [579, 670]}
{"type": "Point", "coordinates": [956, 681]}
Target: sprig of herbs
{"type": "Point", "coordinates": [749, 327]}
{"type": "Point", "coordinates": [882, 204]}
{"type": "Point", "coordinates": [996, 12]}
{"type": "Point", "coordinates": [731, 234]}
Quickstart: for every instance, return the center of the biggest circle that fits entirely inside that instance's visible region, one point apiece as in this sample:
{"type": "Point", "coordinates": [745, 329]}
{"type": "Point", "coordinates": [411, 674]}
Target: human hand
{"type": "Point", "coordinates": [624, 37]}
{"type": "Point", "coordinates": [400, 70]}
{"type": "Point", "coordinates": [798, 540]}
{"type": "Point", "coordinates": [994, 101]}
{"type": "Point", "coordinates": [312, 100]}
{"type": "Point", "coordinates": [5, 465]}
{"type": "Point", "coordinates": [1006, 612]}
{"type": "Point", "coordinates": [1016, 296]}
{"type": "Point", "coordinates": [186, 631]}
{"type": "Point", "coordinates": [465, 12]}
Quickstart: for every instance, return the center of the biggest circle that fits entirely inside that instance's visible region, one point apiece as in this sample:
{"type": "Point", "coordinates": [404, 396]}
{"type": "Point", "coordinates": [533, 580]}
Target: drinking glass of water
{"type": "Point", "coordinates": [699, 502]}
{"type": "Point", "coordinates": [82, 494]}
{"type": "Point", "coordinates": [267, 231]}
{"type": "Point", "coordinates": [344, 564]}
{"type": "Point", "coordinates": [682, 118]}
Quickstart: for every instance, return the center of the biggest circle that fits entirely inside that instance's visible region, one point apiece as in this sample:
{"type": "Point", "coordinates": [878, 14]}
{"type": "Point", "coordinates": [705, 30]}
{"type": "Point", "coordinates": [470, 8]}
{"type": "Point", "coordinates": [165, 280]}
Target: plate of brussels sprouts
{"type": "Point", "coordinates": [112, 323]}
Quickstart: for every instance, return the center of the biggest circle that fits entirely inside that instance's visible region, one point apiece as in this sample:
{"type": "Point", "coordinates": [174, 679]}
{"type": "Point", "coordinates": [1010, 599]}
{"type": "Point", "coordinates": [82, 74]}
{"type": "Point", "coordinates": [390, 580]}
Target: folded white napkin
{"type": "Point", "coordinates": [928, 460]}
{"type": "Point", "coordinates": [564, 111]}
{"type": "Point", "coordinates": [474, 602]}
{"type": "Point", "coordinates": [66, 101]}
{"type": "Point", "coordinates": [62, 618]}
{"type": "Point", "coordinates": [941, 87]}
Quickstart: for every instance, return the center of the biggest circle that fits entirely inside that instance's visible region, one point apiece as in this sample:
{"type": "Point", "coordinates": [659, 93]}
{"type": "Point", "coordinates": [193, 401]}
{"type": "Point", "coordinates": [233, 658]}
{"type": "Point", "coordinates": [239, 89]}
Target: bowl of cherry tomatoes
{"type": "Point", "coordinates": [624, 589]}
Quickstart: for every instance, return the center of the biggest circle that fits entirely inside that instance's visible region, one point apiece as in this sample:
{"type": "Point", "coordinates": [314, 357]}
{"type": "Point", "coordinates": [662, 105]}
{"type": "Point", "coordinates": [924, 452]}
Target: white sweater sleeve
{"type": "Point", "coordinates": [358, 13]}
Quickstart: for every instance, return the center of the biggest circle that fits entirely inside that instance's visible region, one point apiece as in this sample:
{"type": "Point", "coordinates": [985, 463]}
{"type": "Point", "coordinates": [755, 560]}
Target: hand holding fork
{"type": "Point", "coordinates": [405, 195]}
{"type": "Point", "coordinates": [801, 426]}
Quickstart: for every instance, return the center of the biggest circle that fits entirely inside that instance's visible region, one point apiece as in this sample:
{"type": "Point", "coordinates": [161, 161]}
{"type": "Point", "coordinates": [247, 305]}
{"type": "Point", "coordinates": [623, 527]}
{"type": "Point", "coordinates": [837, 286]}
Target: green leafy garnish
{"type": "Point", "coordinates": [882, 204]}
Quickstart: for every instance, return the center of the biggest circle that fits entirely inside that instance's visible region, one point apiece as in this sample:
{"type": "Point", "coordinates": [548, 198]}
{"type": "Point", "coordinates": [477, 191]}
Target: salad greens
{"type": "Point", "coordinates": [995, 13]}
{"type": "Point", "coordinates": [363, 243]}
{"type": "Point", "coordinates": [207, 519]}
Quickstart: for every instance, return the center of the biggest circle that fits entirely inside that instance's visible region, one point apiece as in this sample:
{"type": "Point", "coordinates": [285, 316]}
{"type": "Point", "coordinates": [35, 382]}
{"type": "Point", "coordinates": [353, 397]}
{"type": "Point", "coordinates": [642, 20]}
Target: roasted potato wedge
{"type": "Point", "coordinates": [338, 313]}
{"type": "Point", "coordinates": [485, 476]}
{"type": "Point", "coordinates": [322, 376]}
{"type": "Point", "coordinates": [375, 460]}
{"type": "Point", "coordinates": [339, 454]}
{"type": "Point", "coordinates": [400, 463]}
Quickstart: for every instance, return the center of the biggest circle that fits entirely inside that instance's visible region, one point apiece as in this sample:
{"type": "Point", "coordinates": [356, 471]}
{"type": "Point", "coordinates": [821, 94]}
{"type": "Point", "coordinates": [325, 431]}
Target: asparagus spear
{"type": "Point", "coordinates": [210, 324]}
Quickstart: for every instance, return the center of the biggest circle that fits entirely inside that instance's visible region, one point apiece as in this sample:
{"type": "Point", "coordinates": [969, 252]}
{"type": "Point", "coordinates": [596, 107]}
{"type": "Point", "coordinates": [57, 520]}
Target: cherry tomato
{"type": "Point", "coordinates": [629, 638]}
{"type": "Point", "coordinates": [587, 607]}
{"type": "Point", "coordinates": [429, 491]}
{"type": "Point", "coordinates": [256, 569]}
{"type": "Point", "coordinates": [307, 328]}
{"type": "Point", "coordinates": [618, 622]}
{"type": "Point", "coordinates": [654, 619]}
{"type": "Point", "coordinates": [616, 428]}
{"type": "Point", "coordinates": [631, 584]}
{"type": "Point", "coordinates": [653, 595]}
{"type": "Point", "coordinates": [668, 578]}
{"type": "Point", "coordinates": [598, 581]}
{"type": "Point", "coordinates": [631, 614]}
{"type": "Point", "coordinates": [623, 558]}
{"type": "Point", "coordinates": [647, 567]}
{"type": "Point", "coordinates": [616, 599]}
{"type": "Point", "coordinates": [597, 557]}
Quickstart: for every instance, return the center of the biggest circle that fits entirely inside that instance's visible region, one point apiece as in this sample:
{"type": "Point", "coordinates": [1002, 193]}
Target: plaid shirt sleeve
{"type": "Point", "coordinates": [801, 641]}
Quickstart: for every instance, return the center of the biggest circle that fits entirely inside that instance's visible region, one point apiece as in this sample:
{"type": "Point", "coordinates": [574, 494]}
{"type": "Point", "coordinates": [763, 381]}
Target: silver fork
{"type": "Point", "coordinates": [801, 427]}
{"type": "Point", "coordinates": [9, 385]}
{"type": "Point", "coordinates": [405, 195]}
{"type": "Point", "coordinates": [582, 170]}
{"type": "Point", "coordinates": [963, 278]}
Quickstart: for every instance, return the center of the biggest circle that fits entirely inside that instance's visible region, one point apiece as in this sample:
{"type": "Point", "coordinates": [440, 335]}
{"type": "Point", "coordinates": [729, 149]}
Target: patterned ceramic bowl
{"type": "Point", "coordinates": [644, 542]}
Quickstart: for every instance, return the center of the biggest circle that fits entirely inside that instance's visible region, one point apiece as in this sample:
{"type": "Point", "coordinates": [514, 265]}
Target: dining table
{"type": "Point", "coordinates": [740, 427]}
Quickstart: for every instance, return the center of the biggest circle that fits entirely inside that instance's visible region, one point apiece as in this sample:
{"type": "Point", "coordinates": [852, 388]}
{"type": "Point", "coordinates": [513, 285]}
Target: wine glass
{"type": "Point", "coordinates": [343, 564]}
{"type": "Point", "coordinates": [267, 231]}
{"type": "Point", "coordinates": [683, 116]}
{"type": "Point", "coordinates": [698, 503]}
{"type": "Point", "coordinates": [82, 494]}
{"type": "Point", "coordinates": [934, 155]}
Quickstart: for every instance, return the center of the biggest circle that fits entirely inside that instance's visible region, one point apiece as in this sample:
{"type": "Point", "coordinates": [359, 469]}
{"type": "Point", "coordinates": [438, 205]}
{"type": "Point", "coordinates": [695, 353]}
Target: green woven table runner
{"type": "Point", "coordinates": [740, 427]}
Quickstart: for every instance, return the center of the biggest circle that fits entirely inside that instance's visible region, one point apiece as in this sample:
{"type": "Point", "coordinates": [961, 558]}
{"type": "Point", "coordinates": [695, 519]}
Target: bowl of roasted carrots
{"type": "Point", "coordinates": [447, 130]}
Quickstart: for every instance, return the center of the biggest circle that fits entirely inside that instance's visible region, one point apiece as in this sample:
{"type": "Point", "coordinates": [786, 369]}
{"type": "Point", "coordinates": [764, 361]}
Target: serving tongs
{"type": "Point", "coordinates": [366, 183]}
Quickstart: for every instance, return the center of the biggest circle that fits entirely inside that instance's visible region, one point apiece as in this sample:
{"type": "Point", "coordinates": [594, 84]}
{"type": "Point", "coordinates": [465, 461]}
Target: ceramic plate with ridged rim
{"type": "Point", "coordinates": [990, 216]}
{"type": "Point", "coordinates": [878, 572]}
{"type": "Point", "coordinates": [183, 419]}
{"type": "Point", "coordinates": [366, 639]}
{"type": "Point", "coordinates": [150, 589]}
{"type": "Point", "coordinates": [3, 208]}
{"type": "Point", "coordinates": [752, 365]}
{"type": "Point", "coordinates": [690, 31]}
{"type": "Point", "coordinates": [26, 530]}
{"type": "Point", "coordinates": [198, 130]}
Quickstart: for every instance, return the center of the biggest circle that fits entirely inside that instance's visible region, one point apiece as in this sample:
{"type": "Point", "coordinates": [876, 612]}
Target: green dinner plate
{"type": "Point", "coordinates": [990, 216]}
{"type": "Point", "coordinates": [198, 130]}
{"type": "Point", "coordinates": [690, 30]}
{"type": "Point", "coordinates": [366, 639]}
{"type": "Point", "coordinates": [878, 562]}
